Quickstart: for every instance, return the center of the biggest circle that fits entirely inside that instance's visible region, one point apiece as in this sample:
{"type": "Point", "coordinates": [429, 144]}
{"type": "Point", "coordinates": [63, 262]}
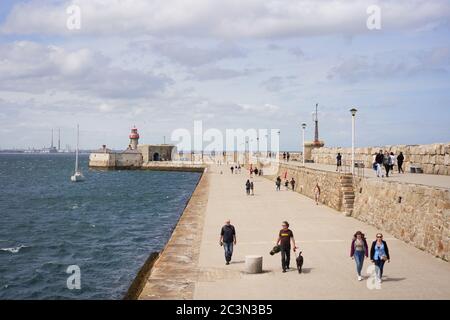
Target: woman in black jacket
{"type": "Point", "coordinates": [379, 254]}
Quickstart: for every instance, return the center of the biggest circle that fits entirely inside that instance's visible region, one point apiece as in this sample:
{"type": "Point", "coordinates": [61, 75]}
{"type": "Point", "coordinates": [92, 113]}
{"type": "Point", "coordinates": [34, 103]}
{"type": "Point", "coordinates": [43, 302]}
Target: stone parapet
{"type": "Point", "coordinates": [416, 214]}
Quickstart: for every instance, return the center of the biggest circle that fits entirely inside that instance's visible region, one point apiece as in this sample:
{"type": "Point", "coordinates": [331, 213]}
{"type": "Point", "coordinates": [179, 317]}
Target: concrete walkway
{"type": "Point", "coordinates": [322, 234]}
{"type": "Point", "coordinates": [433, 180]}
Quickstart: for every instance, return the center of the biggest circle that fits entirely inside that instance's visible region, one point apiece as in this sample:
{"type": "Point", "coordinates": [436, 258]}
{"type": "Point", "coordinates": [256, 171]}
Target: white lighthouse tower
{"type": "Point", "coordinates": [134, 138]}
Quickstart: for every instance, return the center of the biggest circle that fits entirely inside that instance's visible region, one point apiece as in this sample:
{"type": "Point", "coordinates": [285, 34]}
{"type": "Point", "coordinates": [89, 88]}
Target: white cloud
{"type": "Point", "coordinates": [31, 67]}
{"type": "Point", "coordinates": [224, 19]}
{"type": "Point", "coordinates": [435, 61]}
{"type": "Point", "coordinates": [179, 52]}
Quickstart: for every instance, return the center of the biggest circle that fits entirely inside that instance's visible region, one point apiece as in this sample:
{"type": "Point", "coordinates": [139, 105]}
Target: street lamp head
{"type": "Point", "coordinates": [303, 126]}
{"type": "Point", "coordinates": [353, 111]}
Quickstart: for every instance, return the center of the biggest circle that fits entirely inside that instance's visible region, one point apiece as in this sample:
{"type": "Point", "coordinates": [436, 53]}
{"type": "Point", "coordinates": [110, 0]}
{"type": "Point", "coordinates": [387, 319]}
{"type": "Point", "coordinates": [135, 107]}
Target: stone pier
{"type": "Point", "coordinates": [192, 266]}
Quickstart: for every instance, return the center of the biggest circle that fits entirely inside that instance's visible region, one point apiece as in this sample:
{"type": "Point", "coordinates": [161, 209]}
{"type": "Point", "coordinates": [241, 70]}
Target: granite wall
{"type": "Point", "coordinates": [416, 214]}
{"type": "Point", "coordinates": [306, 180]}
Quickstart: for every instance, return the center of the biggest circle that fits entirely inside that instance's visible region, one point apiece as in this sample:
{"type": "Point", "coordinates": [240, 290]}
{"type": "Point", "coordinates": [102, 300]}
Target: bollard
{"type": "Point", "coordinates": [253, 264]}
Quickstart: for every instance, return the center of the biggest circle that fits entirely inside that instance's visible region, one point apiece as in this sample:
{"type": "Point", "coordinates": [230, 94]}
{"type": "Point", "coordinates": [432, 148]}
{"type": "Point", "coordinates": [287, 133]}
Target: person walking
{"type": "Point", "coordinates": [317, 193]}
{"type": "Point", "coordinates": [285, 238]}
{"type": "Point", "coordinates": [286, 184]}
{"type": "Point", "coordinates": [374, 163]}
{"type": "Point", "coordinates": [339, 162]}
{"type": "Point", "coordinates": [387, 163]}
{"type": "Point", "coordinates": [288, 156]}
{"type": "Point", "coordinates": [278, 183]}
{"type": "Point", "coordinates": [232, 169]}
{"type": "Point", "coordinates": [284, 156]}
{"type": "Point", "coordinates": [392, 161]}
{"type": "Point", "coordinates": [379, 162]}
{"type": "Point", "coordinates": [358, 251]}
{"type": "Point", "coordinates": [400, 160]}
{"type": "Point", "coordinates": [252, 188]}
{"type": "Point", "coordinates": [247, 187]}
{"type": "Point", "coordinates": [293, 184]}
{"type": "Point", "coordinates": [256, 171]}
{"type": "Point", "coordinates": [379, 254]}
{"type": "Point", "coordinates": [227, 240]}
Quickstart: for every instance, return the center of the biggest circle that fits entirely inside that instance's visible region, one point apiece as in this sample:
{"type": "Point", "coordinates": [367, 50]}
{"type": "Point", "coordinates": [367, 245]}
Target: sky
{"type": "Point", "coordinates": [163, 64]}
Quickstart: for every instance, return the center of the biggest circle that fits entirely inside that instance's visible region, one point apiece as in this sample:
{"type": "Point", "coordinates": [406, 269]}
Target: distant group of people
{"type": "Point", "coordinates": [256, 171]}
{"type": "Point", "coordinates": [286, 156]}
{"type": "Point", "coordinates": [387, 160]}
{"type": "Point", "coordinates": [250, 187]}
{"type": "Point", "coordinates": [235, 169]}
{"type": "Point", "coordinates": [381, 160]}
{"type": "Point", "coordinates": [286, 184]}
{"type": "Point", "coordinates": [359, 250]}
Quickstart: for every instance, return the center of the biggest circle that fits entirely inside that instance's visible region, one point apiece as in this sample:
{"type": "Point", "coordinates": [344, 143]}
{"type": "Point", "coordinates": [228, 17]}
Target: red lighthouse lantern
{"type": "Point", "coordinates": [134, 138]}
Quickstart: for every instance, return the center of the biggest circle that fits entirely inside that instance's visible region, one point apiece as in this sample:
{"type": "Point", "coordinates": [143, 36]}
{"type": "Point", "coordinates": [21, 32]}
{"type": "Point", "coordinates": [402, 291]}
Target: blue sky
{"type": "Point", "coordinates": [160, 65]}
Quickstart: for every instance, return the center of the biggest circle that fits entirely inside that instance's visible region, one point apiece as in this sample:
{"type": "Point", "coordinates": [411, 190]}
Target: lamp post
{"type": "Point", "coordinates": [353, 112]}
{"type": "Point", "coordinates": [257, 146]}
{"type": "Point", "coordinates": [303, 143]}
{"type": "Point", "coordinates": [246, 153]}
{"type": "Point", "coordinates": [278, 151]}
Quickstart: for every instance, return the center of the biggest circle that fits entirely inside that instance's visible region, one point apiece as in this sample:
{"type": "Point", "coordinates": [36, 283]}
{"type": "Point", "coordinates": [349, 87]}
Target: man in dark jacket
{"type": "Point", "coordinates": [379, 161]}
{"type": "Point", "coordinates": [293, 184]}
{"type": "Point", "coordinates": [400, 160]}
{"type": "Point", "coordinates": [227, 239]}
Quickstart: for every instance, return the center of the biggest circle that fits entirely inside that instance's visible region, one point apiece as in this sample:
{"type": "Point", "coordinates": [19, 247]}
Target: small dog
{"type": "Point", "coordinates": [299, 261]}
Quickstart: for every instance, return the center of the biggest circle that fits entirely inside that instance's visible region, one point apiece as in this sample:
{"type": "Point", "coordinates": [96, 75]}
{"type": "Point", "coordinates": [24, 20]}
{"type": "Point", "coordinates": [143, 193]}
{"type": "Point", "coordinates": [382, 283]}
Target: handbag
{"type": "Point", "coordinates": [384, 258]}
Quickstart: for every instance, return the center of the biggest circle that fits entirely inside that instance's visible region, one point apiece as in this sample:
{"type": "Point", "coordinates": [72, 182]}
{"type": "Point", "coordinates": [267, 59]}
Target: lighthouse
{"type": "Point", "coordinates": [134, 138]}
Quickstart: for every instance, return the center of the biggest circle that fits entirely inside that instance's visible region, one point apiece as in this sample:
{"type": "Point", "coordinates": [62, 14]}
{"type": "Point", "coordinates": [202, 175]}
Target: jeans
{"type": "Point", "coordinates": [380, 265]}
{"type": "Point", "coordinates": [359, 259]}
{"type": "Point", "coordinates": [285, 257]}
{"type": "Point", "coordinates": [228, 246]}
{"type": "Point", "coordinates": [387, 168]}
{"type": "Point", "coordinates": [379, 172]}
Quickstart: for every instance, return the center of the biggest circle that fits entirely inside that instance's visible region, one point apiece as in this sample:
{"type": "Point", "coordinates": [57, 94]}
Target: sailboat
{"type": "Point", "coordinates": [77, 176]}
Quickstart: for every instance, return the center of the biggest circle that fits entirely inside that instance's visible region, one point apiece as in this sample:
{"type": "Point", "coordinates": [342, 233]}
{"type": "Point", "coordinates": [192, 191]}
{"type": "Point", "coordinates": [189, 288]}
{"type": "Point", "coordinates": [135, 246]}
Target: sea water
{"type": "Point", "coordinates": [107, 225]}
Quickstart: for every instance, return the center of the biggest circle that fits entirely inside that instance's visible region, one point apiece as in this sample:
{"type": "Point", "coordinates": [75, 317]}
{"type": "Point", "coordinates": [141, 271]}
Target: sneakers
{"type": "Point", "coordinates": [360, 278]}
{"type": "Point", "coordinates": [284, 270]}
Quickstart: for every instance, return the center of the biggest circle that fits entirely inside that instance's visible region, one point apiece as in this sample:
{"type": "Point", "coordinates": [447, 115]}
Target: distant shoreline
{"type": "Point", "coordinates": [42, 153]}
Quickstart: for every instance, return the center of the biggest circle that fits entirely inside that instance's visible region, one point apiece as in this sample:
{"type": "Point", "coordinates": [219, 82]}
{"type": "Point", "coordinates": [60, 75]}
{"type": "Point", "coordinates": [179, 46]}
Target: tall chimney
{"type": "Point", "coordinates": [316, 120]}
{"type": "Point", "coordinates": [59, 139]}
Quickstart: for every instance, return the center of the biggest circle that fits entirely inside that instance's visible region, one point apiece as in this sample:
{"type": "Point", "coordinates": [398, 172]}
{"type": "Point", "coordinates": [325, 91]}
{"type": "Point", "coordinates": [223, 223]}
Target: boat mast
{"type": "Point", "coordinates": [76, 152]}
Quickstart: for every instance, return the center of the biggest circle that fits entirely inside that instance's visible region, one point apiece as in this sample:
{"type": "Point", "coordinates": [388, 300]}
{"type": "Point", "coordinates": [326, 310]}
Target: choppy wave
{"type": "Point", "coordinates": [13, 249]}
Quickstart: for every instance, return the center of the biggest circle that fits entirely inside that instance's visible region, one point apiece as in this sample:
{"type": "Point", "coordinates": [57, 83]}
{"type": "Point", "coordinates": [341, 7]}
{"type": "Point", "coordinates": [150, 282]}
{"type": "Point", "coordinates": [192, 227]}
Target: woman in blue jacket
{"type": "Point", "coordinates": [379, 254]}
